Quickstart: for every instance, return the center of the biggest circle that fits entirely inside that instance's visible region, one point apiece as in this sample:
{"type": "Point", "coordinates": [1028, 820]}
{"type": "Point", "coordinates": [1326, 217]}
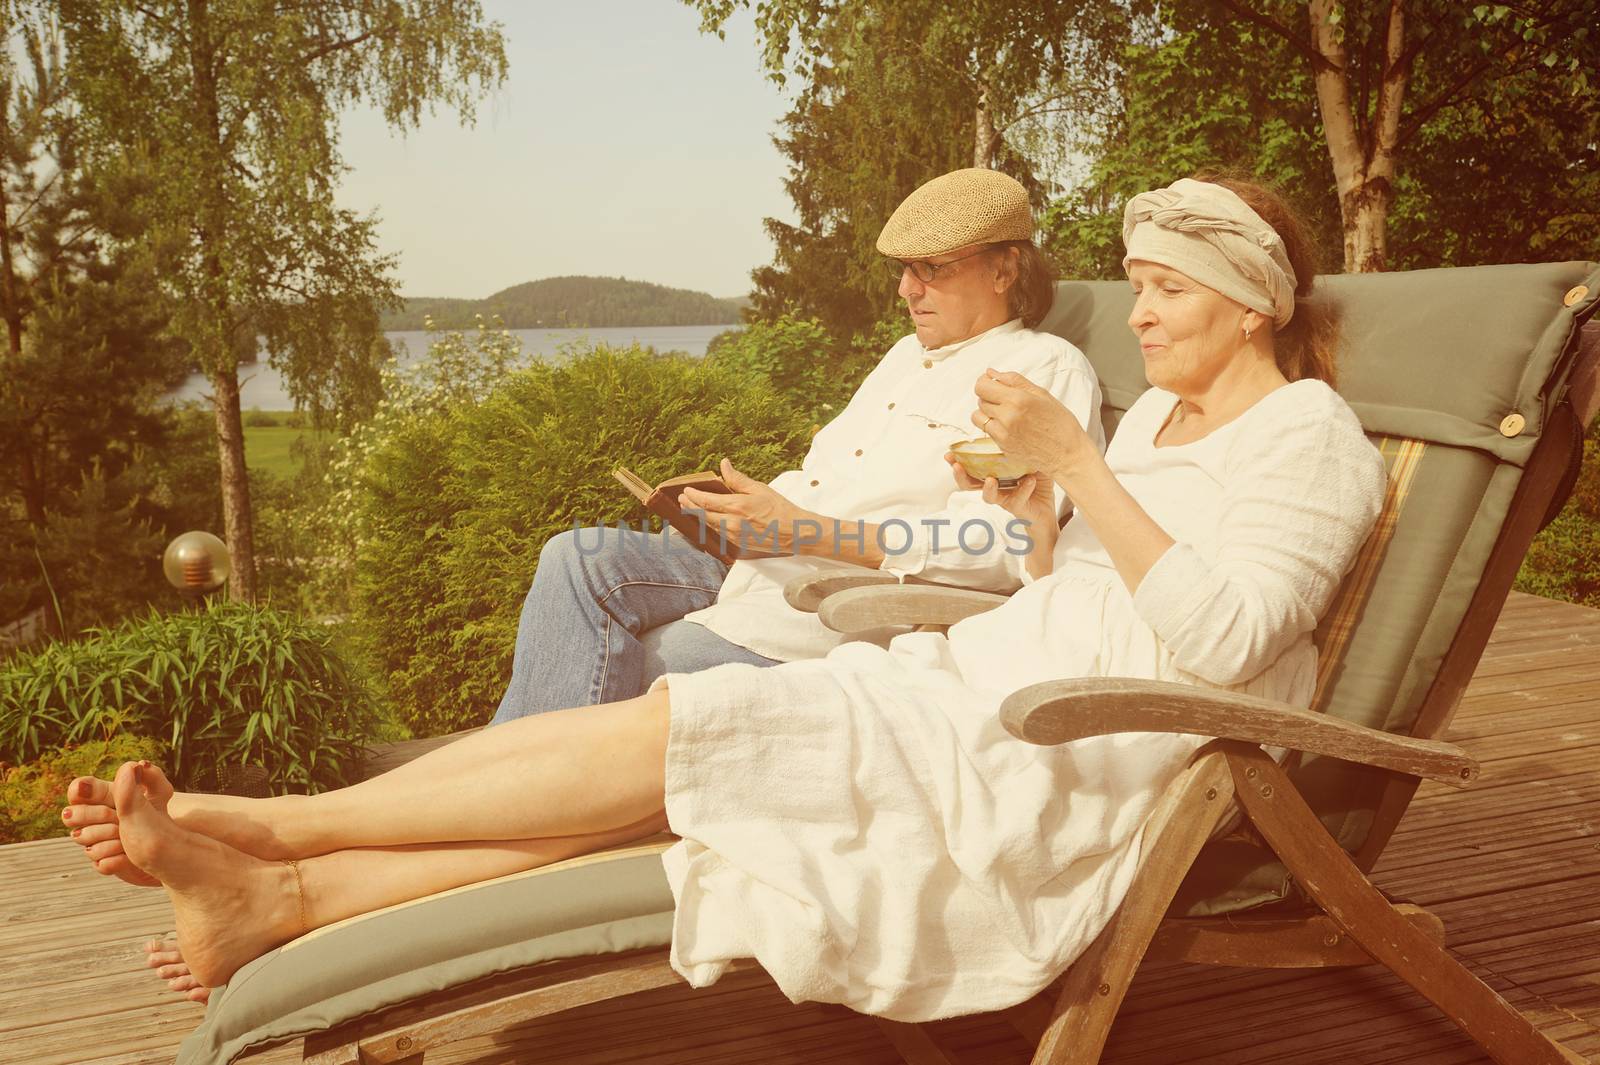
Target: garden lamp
{"type": "Point", "coordinates": [196, 563]}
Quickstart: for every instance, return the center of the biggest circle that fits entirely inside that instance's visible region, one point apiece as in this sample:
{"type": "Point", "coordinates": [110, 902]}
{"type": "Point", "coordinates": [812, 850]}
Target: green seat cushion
{"type": "Point", "coordinates": [599, 904]}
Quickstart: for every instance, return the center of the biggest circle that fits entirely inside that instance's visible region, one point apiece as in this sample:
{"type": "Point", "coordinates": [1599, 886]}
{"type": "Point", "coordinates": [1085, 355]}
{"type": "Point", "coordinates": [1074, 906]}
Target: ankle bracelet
{"type": "Point", "coordinates": [299, 890]}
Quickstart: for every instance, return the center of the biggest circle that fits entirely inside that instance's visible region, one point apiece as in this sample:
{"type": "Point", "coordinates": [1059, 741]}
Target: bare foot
{"type": "Point", "coordinates": [94, 823]}
{"type": "Point", "coordinates": [230, 907]}
{"type": "Point", "coordinates": [243, 824]}
{"type": "Point", "coordinates": [166, 959]}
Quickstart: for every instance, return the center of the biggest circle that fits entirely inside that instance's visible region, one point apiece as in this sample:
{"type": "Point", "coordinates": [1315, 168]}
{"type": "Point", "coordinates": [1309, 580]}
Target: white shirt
{"type": "Point", "coordinates": [882, 461]}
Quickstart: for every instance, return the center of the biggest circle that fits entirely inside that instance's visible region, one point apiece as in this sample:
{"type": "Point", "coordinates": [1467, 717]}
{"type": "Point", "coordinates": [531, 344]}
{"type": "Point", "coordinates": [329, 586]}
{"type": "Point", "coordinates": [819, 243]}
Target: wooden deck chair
{"type": "Point", "coordinates": [1478, 388]}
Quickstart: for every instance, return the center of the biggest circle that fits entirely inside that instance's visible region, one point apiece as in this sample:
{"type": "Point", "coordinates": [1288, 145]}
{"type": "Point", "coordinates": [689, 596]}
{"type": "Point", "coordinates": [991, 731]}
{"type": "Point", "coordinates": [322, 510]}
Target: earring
{"type": "Point", "coordinates": [1247, 333]}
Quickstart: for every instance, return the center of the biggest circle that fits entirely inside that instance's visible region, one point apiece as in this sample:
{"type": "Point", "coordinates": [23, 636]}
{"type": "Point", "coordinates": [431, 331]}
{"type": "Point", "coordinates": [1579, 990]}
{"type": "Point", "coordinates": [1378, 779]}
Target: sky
{"type": "Point", "coordinates": [624, 142]}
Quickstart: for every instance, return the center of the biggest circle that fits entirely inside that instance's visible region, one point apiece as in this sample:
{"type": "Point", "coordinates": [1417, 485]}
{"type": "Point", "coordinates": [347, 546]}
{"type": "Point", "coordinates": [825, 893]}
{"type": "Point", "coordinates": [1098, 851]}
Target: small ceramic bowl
{"type": "Point", "coordinates": [983, 458]}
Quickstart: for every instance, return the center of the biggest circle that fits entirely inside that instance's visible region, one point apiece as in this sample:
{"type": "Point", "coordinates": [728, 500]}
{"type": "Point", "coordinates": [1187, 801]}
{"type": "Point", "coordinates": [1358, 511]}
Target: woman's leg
{"type": "Point", "coordinates": [231, 907]}
{"type": "Point", "coordinates": [567, 773]}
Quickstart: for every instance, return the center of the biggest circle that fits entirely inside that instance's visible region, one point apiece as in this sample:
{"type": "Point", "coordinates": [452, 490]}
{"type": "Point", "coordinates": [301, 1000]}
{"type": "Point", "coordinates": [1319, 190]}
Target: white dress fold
{"type": "Point", "coordinates": [865, 828]}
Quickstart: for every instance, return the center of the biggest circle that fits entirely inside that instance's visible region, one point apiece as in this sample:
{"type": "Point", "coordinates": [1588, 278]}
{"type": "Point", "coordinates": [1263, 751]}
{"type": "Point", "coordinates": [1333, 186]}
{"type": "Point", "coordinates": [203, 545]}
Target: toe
{"type": "Point", "coordinates": [156, 785]}
{"type": "Point", "coordinates": [89, 791]}
{"type": "Point", "coordinates": [159, 958]}
{"type": "Point", "coordinates": [176, 971]}
{"type": "Point", "coordinates": [80, 815]}
{"type": "Point", "coordinates": [88, 837]}
{"type": "Point", "coordinates": [201, 995]}
{"type": "Point", "coordinates": [99, 852]}
{"type": "Point", "coordinates": [120, 867]}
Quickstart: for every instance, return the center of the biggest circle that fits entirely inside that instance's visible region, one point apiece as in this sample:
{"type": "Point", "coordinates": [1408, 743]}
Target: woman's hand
{"type": "Point", "coordinates": [1033, 426]}
{"type": "Point", "coordinates": [1032, 499]}
{"type": "Point", "coordinates": [753, 513]}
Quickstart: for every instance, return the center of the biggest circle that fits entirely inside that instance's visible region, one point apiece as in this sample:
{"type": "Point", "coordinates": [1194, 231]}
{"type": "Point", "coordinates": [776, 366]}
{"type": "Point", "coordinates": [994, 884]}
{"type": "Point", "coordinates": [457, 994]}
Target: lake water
{"type": "Point", "coordinates": [262, 388]}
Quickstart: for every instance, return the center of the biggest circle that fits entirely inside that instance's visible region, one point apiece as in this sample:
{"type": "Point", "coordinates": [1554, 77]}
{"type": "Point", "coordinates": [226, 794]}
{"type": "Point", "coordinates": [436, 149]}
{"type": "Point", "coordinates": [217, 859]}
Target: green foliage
{"type": "Point", "coordinates": [226, 685]}
{"type": "Point", "coordinates": [1511, 174]}
{"type": "Point", "coordinates": [1495, 146]}
{"type": "Point", "coordinates": [570, 303]}
{"type": "Point", "coordinates": [82, 362]}
{"type": "Point", "coordinates": [33, 795]}
{"type": "Point", "coordinates": [801, 359]}
{"type": "Point", "coordinates": [1188, 106]}
{"type": "Point", "coordinates": [889, 95]}
{"type": "Point", "coordinates": [1564, 561]}
{"type": "Point", "coordinates": [452, 502]}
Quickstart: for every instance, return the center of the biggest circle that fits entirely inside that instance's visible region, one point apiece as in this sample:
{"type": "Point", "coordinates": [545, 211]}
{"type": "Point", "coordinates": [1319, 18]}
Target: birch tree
{"type": "Point", "coordinates": [231, 107]}
{"type": "Point", "coordinates": [1384, 69]}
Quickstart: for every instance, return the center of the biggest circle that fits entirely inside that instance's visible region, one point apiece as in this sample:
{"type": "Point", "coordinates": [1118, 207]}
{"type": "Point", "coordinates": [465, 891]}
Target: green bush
{"type": "Point", "coordinates": [227, 685]}
{"type": "Point", "coordinates": [804, 362]}
{"type": "Point", "coordinates": [256, 418]}
{"type": "Point", "coordinates": [32, 795]}
{"type": "Point", "coordinates": [452, 505]}
{"type": "Point", "coordinates": [1564, 561]}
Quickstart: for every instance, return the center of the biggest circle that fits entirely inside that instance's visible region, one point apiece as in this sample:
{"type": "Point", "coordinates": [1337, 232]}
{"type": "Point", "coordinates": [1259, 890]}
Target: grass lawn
{"type": "Point", "coordinates": [267, 447]}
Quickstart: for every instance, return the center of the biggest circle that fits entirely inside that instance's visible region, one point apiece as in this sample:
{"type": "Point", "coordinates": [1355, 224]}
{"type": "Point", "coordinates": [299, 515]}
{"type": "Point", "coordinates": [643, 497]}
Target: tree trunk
{"type": "Point", "coordinates": [8, 278]}
{"type": "Point", "coordinates": [1365, 212]}
{"type": "Point", "coordinates": [237, 526]}
{"type": "Point", "coordinates": [238, 520]}
{"type": "Point", "coordinates": [27, 472]}
{"type": "Point", "coordinates": [1363, 153]}
{"type": "Point", "coordinates": [983, 133]}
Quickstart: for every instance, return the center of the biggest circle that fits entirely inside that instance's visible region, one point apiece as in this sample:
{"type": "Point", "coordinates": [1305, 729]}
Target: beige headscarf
{"type": "Point", "coordinates": [1208, 233]}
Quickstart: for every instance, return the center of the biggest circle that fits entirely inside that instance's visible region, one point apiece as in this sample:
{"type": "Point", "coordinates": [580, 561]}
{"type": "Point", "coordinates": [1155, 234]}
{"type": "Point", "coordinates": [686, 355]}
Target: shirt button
{"type": "Point", "coordinates": [933, 425]}
{"type": "Point", "coordinates": [927, 364]}
{"type": "Point", "coordinates": [815, 483]}
{"type": "Point", "coordinates": [858, 452]}
{"type": "Point", "coordinates": [891, 406]}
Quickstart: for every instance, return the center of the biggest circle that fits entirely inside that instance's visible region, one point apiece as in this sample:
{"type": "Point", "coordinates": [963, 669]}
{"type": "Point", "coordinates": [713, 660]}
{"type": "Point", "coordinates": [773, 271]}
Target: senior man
{"type": "Point", "coordinates": [874, 489]}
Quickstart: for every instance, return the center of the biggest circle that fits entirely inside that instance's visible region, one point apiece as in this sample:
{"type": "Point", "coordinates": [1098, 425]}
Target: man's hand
{"type": "Point", "coordinates": [753, 514]}
{"type": "Point", "coordinates": [1032, 425]}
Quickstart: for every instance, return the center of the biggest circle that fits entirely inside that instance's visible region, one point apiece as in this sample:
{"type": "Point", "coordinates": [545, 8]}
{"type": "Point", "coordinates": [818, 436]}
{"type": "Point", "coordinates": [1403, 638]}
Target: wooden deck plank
{"type": "Point", "coordinates": [1512, 866]}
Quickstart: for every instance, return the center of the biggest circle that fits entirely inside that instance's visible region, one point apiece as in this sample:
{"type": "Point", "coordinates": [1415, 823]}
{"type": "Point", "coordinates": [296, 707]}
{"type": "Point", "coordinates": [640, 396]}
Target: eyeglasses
{"type": "Point", "coordinates": [925, 271]}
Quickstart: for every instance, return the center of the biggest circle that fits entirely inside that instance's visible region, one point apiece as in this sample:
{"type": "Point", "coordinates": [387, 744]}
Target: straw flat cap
{"type": "Point", "coordinates": [972, 206]}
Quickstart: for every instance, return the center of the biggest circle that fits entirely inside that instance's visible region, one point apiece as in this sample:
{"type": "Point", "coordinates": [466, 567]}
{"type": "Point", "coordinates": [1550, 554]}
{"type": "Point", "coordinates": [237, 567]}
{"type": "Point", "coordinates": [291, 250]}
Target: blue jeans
{"type": "Point", "coordinates": [595, 593]}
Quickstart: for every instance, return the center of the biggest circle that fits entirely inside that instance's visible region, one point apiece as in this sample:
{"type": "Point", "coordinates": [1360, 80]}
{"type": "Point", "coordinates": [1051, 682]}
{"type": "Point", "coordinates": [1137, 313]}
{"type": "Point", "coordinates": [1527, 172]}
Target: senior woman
{"type": "Point", "coordinates": [861, 824]}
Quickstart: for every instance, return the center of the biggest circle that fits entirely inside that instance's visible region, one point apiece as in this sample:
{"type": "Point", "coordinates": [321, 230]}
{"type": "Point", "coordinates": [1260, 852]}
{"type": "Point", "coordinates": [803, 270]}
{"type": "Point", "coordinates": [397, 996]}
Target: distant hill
{"type": "Point", "coordinates": [572, 303]}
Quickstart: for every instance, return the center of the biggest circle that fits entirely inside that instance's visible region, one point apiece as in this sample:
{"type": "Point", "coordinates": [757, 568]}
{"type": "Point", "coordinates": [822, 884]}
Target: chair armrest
{"type": "Point", "coordinates": [807, 592]}
{"type": "Point", "coordinates": [856, 609]}
{"type": "Point", "coordinates": [1057, 711]}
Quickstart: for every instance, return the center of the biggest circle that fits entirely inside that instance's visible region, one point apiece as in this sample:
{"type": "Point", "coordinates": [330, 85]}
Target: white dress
{"type": "Point", "coordinates": [863, 825]}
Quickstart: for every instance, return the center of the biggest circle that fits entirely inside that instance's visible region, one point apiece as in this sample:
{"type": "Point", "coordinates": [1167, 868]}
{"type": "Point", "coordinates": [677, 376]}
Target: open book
{"type": "Point", "coordinates": [662, 500]}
